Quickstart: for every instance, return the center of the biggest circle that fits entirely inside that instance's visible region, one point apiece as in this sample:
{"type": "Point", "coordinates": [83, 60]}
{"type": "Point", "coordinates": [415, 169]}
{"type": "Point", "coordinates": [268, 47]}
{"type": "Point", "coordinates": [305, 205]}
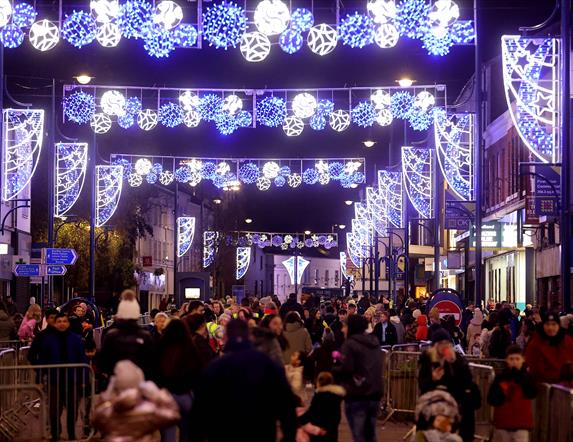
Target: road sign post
{"type": "Point", "coordinates": [53, 270]}
{"type": "Point", "coordinates": [59, 257]}
{"type": "Point", "coordinates": [28, 270]}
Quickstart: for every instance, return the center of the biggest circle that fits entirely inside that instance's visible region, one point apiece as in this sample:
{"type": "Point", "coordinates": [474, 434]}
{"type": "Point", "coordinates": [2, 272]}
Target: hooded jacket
{"type": "Point", "coordinates": [422, 328]}
{"type": "Point", "coordinates": [324, 412]}
{"type": "Point", "coordinates": [546, 356]}
{"type": "Point", "coordinates": [7, 327]}
{"type": "Point", "coordinates": [474, 328]}
{"type": "Point", "coordinates": [400, 331]}
{"type": "Point", "coordinates": [361, 369]}
{"type": "Point", "coordinates": [298, 340]}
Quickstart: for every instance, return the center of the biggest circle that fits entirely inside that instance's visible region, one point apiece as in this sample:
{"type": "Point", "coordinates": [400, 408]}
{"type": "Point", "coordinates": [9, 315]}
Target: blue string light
{"type": "Point", "coordinates": [226, 123]}
{"type": "Point", "coordinates": [301, 19]}
{"type": "Point", "coordinates": [244, 119]}
{"type": "Point", "coordinates": [24, 15]}
{"type": "Point", "coordinates": [280, 181]}
{"type": "Point", "coordinates": [157, 169]}
{"type": "Point", "coordinates": [158, 42]}
{"type": "Point", "coordinates": [79, 107]}
{"type": "Point", "coordinates": [401, 104]}
{"type": "Point", "coordinates": [171, 114]}
{"type": "Point", "coordinates": [127, 166]}
{"type": "Point", "coordinates": [134, 18]}
{"type": "Point", "coordinates": [285, 171]}
{"type": "Point", "coordinates": [420, 120]}
{"type": "Point", "coordinates": [224, 25]}
{"type": "Point", "coordinates": [310, 176]}
{"type": "Point", "coordinates": [335, 170]}
{"type": "Point", "coordinates": [126, 121]}
{"type": "Point", "coordinates": [356, 30]}
{"type": "Point", "coordinates": [151, 178]}
{"type": "Point", "coordinates": [79, 29]}
{"type": "Point", "coordinates": [248, 173]}
{"type": "Point", "coordinates": [271, 111]}
{"type": "Point", "coordinates": [412, 18]}
{"type": "Point", "coordinates": [133, 105]}
{"type": "Point", "coordinates": [11, 36]}
{"type": "Point", "coordinates": [185, 35]}
{"type": "Point", "coordinates": [291, 41]}
{"type": "Point", "coordinates": [317, 122]}
{"type": "Point", "coordinates": [210, 107]}
{"type": "Point", "coordinates": [364, 114]}
{"type": "Point", "coordinates": [182, 174]}
{"type": "Point", "coordinates": [358, 178]}
{"type": "Point", "coordinates": [324, 107]}
{"type": "Point", "coordinates": [437, 45]}
{"type": "Point", "coordinates": [208, 170]}
{"type": "Point", "coordinates": [463, 32]}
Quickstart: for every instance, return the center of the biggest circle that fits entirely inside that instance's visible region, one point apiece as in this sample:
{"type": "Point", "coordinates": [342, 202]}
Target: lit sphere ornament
{"type": "Point", "coordinates": [280, 181]}
{"type": "Point", "coordinates": [381, 11]}
{"type": "Point", "coordinates": [232, 104]}
{"type": "Point", "coordinates": [113, 103]}
{"type": "Point", "coordinates": [364, 114]}
{"type": "Point", "coordinates": [79, 107]}
{"type": "Point", "coordinates": [168, 14]}
{"type": "Point", "coordinates": [386, 36]}
{"type": "Point", "coordinates": [183, 174]}
{"type": "Point", "coordinates": [189, 100]}
{"type": "Point", "coordinates": [324, 179]}
{"type": "Point", "coordinates": [104, 11]}
{"type": "Point", "coordinates": [126, 165]}
{"type": "Point", "coordinates": [301, 19]}
{"type": "Point", "coordinates": [304, 105]}
{"type": "Point", "coordinates": [335, 170]}
{"type": "Point", "coordinates": [108, 35]}
{"type": "Point", "coordinates": [294, 180]}
{"type": "Point", "coordinates": [255, 46]}
{"type": "Point", "coordinates": [317, 122]}
{"type": "Point", "coordinates": [210, 106]}
{"type": "Point", "coordinates": [420, 120]}
{"type": "Point", "coordinates": [339, 120]}
{"type": "Point", "coordinates": [271, 169]}
{"type": "Point", "coordinates": [151, 178]}
{"type": "Point", "coordinates": [381, 99]}
{"type": "Point", "coordinates": [135, 180]}
{"type": "Point", "coordinates": [185, 35]}
{"type": "Point", "coordinates": [322, 39]}
{"type": "Point", "coordinates": [412, 17]}
{"type": "Point", "coordinates": [291, 41]}
{"type": "Point", "coordinates": [293, 126]}
{"type": "Point", "coordinates": [463, 32]}
{"type": "Point", "coordinates": [171, 114]}
{"type": "Point", "coordinates": [263, 183]}
{"type": "Point", "coordinates": [226, 123]}
{"type": "Point", "coordinates": [443, 14]}
{"type": "Point", "coordinates": [208, 170]}
{"type": "Point", "coordinates": [79, 29]}
{"type": "Point", "coordinates": [24, 15]}
{"type": "Point", "coordinates": [271, 17]}
{"type": "Point", "coordinates": [310, 176]}
{"type": "Point", "coordinates": [271, 111]}
{"type": "Point", "coordinates": [356, 30]}
{"type": "Point", "coordinates": [166, 177]}
{"type": "Point", "coordinates": [134, 18]}
{"type": "Point", "coordinates": [5, 12]}
{"type": "Point", "coordinates": [244, 119]}
{"type": "Point", "coordinates": [157, 168]}
{"type": "Point", "coordinates": [324, 107]}
{"type": "Point", "coordinates": [195, 165]}
{"type": "Point", "coordinates": [191, 118]}
{"type": "Point", "coordinates": [44, 35]}
{"type": "Point", "coordinates": [224, 25]}
{"type": "Point", "coordinates": [401, 104]}
{"type": "Point", "coordinates": [133, 105]}
{"type": "Point", "coordinates": [147, 119]}
{"type": "Point", "coordinates": [285, 171]}
{"type": "Point", "coordinates": [11, 36]}
{"type": "Point", "coordinates": [100, 123]}
{"type": "Point", "coordinates": [158, 42]}
{"type": "Point", "coordinates": [384, 117]}
{"type": "Point", "coordinates": [248, 173]}
{"type": "Point", "coordinates": [143, 166]}
{"type": "Point", "coordinates": [439, 46]}
{"type": "Point", "coordinates": [424, 101]}
{"type": "Point", "coordinates": [194, 179]}
{"type": "Point", "coordinates": [126, 121]}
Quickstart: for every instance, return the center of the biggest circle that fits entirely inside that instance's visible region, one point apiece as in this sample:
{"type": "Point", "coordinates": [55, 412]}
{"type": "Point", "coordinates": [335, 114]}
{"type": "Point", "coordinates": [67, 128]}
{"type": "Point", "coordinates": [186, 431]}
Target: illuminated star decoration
{"type": "Point", "coordinates": [108, 192]}
{"type": "Point", "coordinates": [185, 234]}
{"type": "Point", "coordinates": [70, 172]}
{"type": "Point", "coordinates": [301, 265]}
{"type": "Point", "coordinates": [417, 170]}
{"type": "Point", "coordinates": [243, 259]}
{"type": "Point", "coordinates": [390, 188]}
{"type": "Point", "coordinates": [376, 205]}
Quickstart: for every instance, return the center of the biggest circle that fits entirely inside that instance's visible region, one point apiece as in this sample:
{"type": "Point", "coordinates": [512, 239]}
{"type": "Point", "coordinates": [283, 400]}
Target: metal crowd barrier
{"type": "Point", "coordinates": [497, 364]}
{"type": "Point", "coordinates": [483, 376]}
{"type": "Point", "coordinates": [402, 386]}
{"type": "Point", "coordinates": [560, 414]}
{"type": "Point", "coordinates": [98, 336]}
{"type": "Point", "coordinates": [541, 413]}
{"type": "Point", "coordinates": [24, 419]}
{"type": "Point", "coordinates": [67, 398]}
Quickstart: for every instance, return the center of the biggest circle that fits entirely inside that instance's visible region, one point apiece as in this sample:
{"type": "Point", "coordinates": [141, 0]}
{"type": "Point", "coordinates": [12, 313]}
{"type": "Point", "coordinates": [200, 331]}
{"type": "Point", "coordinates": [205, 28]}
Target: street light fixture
{"type": "Point", "coordinates": [342, 226]}
{"type": "Point", "coordinates": [369, 143]}
{"type": "Point", "coordinates": [217, 201]}
{"type": "Point", "coordinates": [307, 232]}
{"type": "Point", "coordinates": [83, 78]}
{"type": "Point", "coordinates": [348, 202]}
{"type": "Point", "coordinates": [248, 220]}
{"type": "Point", "coordinates": [405, 82]}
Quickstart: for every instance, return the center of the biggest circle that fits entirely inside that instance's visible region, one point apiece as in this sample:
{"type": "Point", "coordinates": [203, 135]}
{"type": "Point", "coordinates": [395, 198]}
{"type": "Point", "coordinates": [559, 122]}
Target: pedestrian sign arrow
{"type": "Point", "coordinates": [28, 270]}
{"type": "Point", "coordinates": [60, 256]}
{"type": "Point", "coordinates": [56, 270]}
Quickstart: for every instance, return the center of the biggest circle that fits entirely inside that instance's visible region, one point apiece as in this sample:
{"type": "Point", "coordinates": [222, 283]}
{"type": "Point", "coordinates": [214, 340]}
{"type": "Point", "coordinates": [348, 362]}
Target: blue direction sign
{"type": "Point", "coordinates": [56, 270]}
{"type": "Point", "coordinates": [60, 256]}
{"type": "Point", "coordinates": [27, 270]}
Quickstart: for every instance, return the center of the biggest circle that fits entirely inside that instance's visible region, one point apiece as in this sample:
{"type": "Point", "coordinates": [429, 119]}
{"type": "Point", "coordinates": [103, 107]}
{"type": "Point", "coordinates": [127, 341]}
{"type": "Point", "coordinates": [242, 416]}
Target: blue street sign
{"type": "Point", "coordinates": [60, 256]}
{"type": "Point", "coordinates": [56, 270]}
{"type": "Point", "coordinates": [27, 270]}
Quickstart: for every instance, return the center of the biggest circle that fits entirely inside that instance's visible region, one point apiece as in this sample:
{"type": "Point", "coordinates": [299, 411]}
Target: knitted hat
{"type": "Point", "coordinates": [128, 308]}
{"type": "Point", "coordinates": [551, 316]}
{"type": "Point", "coordinates": [440, 334]}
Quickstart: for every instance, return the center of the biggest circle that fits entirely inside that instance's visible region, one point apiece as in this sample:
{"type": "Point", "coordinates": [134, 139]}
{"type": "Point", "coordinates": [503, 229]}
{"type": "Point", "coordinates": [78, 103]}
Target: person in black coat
{"type": "Point", "coordinates": [324, 410]}
{"type": "Point", "coordinates": [291, 305]}
{"type": "Point", "coordinates": [242, 384]}
{"type": "Point", "coordinates": [385, 331]}
{"type": "Point", "coordinates": [199, 335]}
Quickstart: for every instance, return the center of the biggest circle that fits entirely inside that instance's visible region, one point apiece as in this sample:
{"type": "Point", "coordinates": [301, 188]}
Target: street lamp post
{"type": "Point", "coordinates": [93, 181]}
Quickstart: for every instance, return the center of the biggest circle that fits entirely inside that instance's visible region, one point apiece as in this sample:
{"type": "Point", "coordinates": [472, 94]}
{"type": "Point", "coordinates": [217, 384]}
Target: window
{"type": "Point", "coordinates": [261, 262]}
{"type": "Point", "coordinates": [326, 277]}
{"type": "Point", "coordinates": [336, 278]}
{"type": "Point", "coordinates": [316, 277]}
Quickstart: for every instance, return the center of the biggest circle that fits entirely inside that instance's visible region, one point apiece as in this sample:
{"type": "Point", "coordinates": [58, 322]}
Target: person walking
{"type": "Point", "coordinates": [29, 325]}
{"type": "Point", "coordinates": [474, 329]}
{"type": "Point", "coordinates": [385, 330]}
{"type": "Point", "coordinates": [291, 305]}
{"type": "Point", "coordinates": [200, 337]}
{"type": "Point", "coordinates": [297, 337]}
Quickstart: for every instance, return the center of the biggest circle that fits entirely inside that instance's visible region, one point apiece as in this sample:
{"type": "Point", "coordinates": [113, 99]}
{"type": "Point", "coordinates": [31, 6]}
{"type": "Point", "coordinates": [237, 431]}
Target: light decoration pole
{"type": "Point", "coordinates": [390, 188]}
{"type": "Point", "coordinates": [295, 266]}
{"type": "Point", "coordinates": [243, 260]}
{"type": "Point", "coordinates": [185, 234]}
{"type": "Point", "coordinates": [109, 182]}
{"type": "Point", "coordinates": [70, 172]}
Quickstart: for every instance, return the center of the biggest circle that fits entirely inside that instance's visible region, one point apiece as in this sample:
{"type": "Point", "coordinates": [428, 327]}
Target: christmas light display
{"type": "Point", "coordinates": [293, 126]}
{"type": "Point", "coordinates": [126, 121]}
{"type": "Point", "coordinates": [11, 36]}
{"type": "Point", "coordinates": [304, 105]}
{"type": "Point", "coordinates": [322, 39]}
{"type": "Point", "coordinates": [356, 30]}
{"type": "Point", "coordinates": [210, 240]}
{"type": "Point", "coordinates": [104, 11]}
{"type": "Point", "coordinates": [159, 42]}
{"type": "Point", "coordinates": [243, 260]}
{"type": "Point", "coordinates": [390, 189]}
{"type": "Point", "coordinates": [100, 123]}
{"type": "Point", "coordinates": [24, 15]}
{"type": "Point", "coordinates": [343, 265]}
{"type": "Point", "coordinates": [168, 14]}
{"type": "Point", "coordinates": [317, 122]}
{"type": "Point", "coordinates": [401, 104]}
{"type": "Point", "coordinates": [79, 107]}
{"type": "Point", "coordinates": [134, 16]}
{"type": "Point", "coordinates": [171, 114]}
{"type": "Point", "coordinates": [147, 119]}
{"type": "Point", "coordinates": [185, 35]}
{"type": "Point", "coordinates": [412, 18]}
{"type": "Point", "coordinates": [109, 181]}
{"type": "Point", "coordinates": [364, 114]}
{"type": "Point", "coordinates": [381, 11]}
{"type": "Point", "coordinates": [354, 249]}
{"type": "Point", "coordinates": [271, 17]}
{"type": "Point", "coordinates": [271, 111]}
{"type": "Point", "coordinates": [531, 75]}
{"type": "Point", "coordinates": [291, 41]}
{"type": "Point", "coordinates": [301, 265]}
{"type": "Point", "coordinates": [79, 29]}
{"type": "Point", "coordinates": [70, 171]}
{"type": "Point", "coordinates": [113, 103]}
{"type": "Point", "coordinates": [386, 36]}
{"type": "Point", "coordinates": [5, 12]}
{"type": "Point", "coordinates": [376, 204]}
{"type": "Point", "coordinates": [417, 171]}
{"type": "Point", "coordinates": [22, 136]}
{"type": "Point", "coordinates": [255, 46]}
{"type": "Point", "coordinates": [301, 19]}
{"type": "Point", "coordinates": [44, 35]}
{"type": "Point", "coordinates": [224, 25]}
{"type": "Point", "coordinates": [339, 120]}
{"type": "Point", "coordinates": [185, 234]}
{"type": "Point", "coordinates": [108, 35]}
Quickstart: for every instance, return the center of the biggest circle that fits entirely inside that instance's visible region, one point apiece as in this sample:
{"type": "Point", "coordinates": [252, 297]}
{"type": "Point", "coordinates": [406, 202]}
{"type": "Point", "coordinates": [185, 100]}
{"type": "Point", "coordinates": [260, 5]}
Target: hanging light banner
{"type": "Point", "coordinates": [228, 110]}
{"type": "Point", "coordinates": [108, 192]}
{"type": "Point", "coordinates": [531, 75]}
{"type": "Point", "coordinates": [417, 171]}
{"type": "Point", "coordinates": [232, 173]}
{"type": "Point", "coordinates": [210, 244]}
{"type": "Point", "coordinates": [185, 234]}
{"type": "Point", "coordinates": [70, 173]}
{"type": "Point", "coordinates": [454, 135]}
{"type": "Point", "coordinates": [243, 260]}
{"type": "Point", "coordinates": [22, 137]}
{"type": "Point", "coordinates": [390, 189]}
{"type": "Point", "coordinates": [362, 230]}
{"type": "Point", "coordinates": [296, 271]}
{"type": "Point", "coordinates": [356, 251]}
{"type": "Point", "coordinates": [377, 206]}
{"type": "Point", "coordinates": [283, 240]}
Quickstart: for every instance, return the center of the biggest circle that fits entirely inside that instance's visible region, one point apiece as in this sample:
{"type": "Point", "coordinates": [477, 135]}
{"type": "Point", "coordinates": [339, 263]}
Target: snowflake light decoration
{"type": "Point", "coordinates": [159, 42]}
{"type": "Point", "coordinates": [11, 36]}
{"type": "Point", "coordinates": [185, 35]}
{"type": "Point", "coordinates": [356, 30]}
{"type": "Point", "coordinates": [301, 19]}
{"type": "Point", "coordinates": [135, 180]}
{"type": "Point", "coordinates": [168, 14]}
{"type": "Point", "coordinates": [79, 107]}
{"type": "Point", "coordinates": [322, 39]}
{"type": "Point", "coordinates": [386, 36]}
{"type": "Point", "coordinates": [108, 35]}
{"type": "Point", "coordinates": [210, 106]}
{"type": "Point", "coordinates": [401, 104]}
{"type": "Point", "coordinates": [271, 17]}
{"type": "Point", "coordinates": [24, 15]}
{"type": "Point", "coordinates": [44, 35]}
{"type": "Point", "coordinates": [364, 114]}
{"type": "Point", "coordinates": [248, 173]}
{"type": "Point", "coordinates": [412, 18]}
{"type": "Point", "coordinates": [291, 41]}
{"type": "Point", "coordinates": [224, 25]}
{"type": "Point", "coordinates": [113, 103]}
{"type": "Point", "coordinates": [166, 177]}
{"type": "Point", "coordinates": [147, 119]}
{"type": "Point", "coordinates": [244, 119]}
{"type": "Point", "coordinates": [263, 183]}
{"type": "Point", "coordinates": [255, 46]}
{"type": "Point", "coordinates": [79, 29]}
{"type": "Point", "coordinates": [293, 126]}
{"type": "Point", "coordinates": [310, 176]}
{"type": "Point", "coordinates": [171, 114]}
{"type": "Point", "coordinates": [104, 11]}
{"type": "Point", "coordinates": [317, 122]}
{"type": "Point", "coordinates": [304, 105]}
{"type": "Point", "coordinates": [271, 111]}
{"type": "Point", "coordinates": [134, 17]}
{"type": "Point", "coordinates": [339, 120]}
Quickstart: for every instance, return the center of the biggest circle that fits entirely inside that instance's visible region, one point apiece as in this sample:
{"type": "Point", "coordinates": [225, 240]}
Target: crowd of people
{"type": "Point", "coordinates": [235, 370]}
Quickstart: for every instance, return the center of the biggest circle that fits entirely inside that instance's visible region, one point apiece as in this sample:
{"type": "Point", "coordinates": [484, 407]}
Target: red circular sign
{"type": "Point", "coordinates": [446, 307]}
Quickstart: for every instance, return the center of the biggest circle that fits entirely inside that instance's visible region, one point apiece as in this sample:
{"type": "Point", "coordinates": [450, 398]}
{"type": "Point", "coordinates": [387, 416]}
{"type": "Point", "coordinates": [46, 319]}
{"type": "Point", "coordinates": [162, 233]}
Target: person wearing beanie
{"type": "Point", "coordinates": [126, 339]}
{"type": "Point", "coordinates": [548, 350]}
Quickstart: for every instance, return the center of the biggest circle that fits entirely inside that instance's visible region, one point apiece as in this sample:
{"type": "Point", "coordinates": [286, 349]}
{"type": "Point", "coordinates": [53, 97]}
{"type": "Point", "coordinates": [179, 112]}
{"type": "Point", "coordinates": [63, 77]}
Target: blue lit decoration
{"type": "Point", "coordinates": [208, 170]}
{"type": "Point", "coordinates": [210, 106]}
{"type": "Point", "coordinates": [390, 188]}
{"type": "Point", "coordinates": [454, 135]}
{"type": "Point", "coordinates": [126, 121]}
{"type": "Point", "coordinates": [151, 178]}
{"type": "Point", "coordinates": [22, 136]}
{"type": "Point", "coordinates": [159, 42]}
{"type": "Point", "coordinates": [11, 36]}
{"type": "Point", "coordinates": [420, 120]}
{"type": "Point", "coordinates": [291, 41]}
{"type": "Point", "coordinates": [377, 207]}
{"type": "Point", "coordinates": [24, 15]}
{"type": "Point", "coordinates": [70, 173]}
{"type": "Point", "coordinates": [417, 171]}
{"type": "Point", "coordinates": [412, 18]}
{"type": "Point", "coordinates": [133, 105]}
{"type": "Point", "coordinates": [310, 176]}
{"type": "Point", "coordinates": [248, 173]}
{"type": "Point", "coordinates": [364, 114]}
{"type": "Point", "coordinates": [280, 181]}
{"type": "Point", "coordinates": [271, 111]}
{"type": "Point", "coordinates": [301, 19]}
{"type": "Point", "coordinates": [301, 265]}
{"type": "Point", "coordinates": [157, 168]}
{"type": "Point", "coordinates": [401, 104]}
{"type": "Point", "coordinates": [317, 122]}
{"type": "Point", "coordinates": [185, 234]}
{"type": "Point", "coordinates": [135, 16]}
{"type": "Point", "coordinates": [281, 240]}
{"type": "Point", "coordinates": [210, 240]}
{"type": "Point", "coordinates": [226, 123]}
{"type": "Point", "coordinates": [243, 259]}
{"type": "Point", "coordinates": [125, 164]}
{"type": "Point", "coordinates": [185, 35]}
{"type": "Point", "coordinates": [439, 46]}
{"type": "Point", "coordinates": [531, 68]}
{"type": "Point", "coordinates": [324, 107]}
{"type": "Point", "coordinates": [79, 29]}
{"type": "Point", "coordinates": [171, 114]}
{"type": "Point", "coordinates": [354, 250]}
{"type": "Point", "coordinates": [364, 234]}
{"type": "Point", "coordinates": [108, 192]}
{"type": "Point", "coordinates": [463, 32]}
{"type": "Point", "coordinates": [182, 174]}
{"type": "Point", "coordinates": [356, 30]}
{"type": "Point", "coordinates": [336, 170]}
{"type": "Point", "coordinates": [244, 119]}
{"type": "Point", "coordinates": [224, 25]}
{"type": "Point", "coordinates": [285, 171]}
{"type": "Point", "coordinates": [79, 107]}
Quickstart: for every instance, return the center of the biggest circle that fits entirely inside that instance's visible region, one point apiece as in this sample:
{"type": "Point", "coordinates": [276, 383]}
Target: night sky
{"type": "Point", "coordinates": [310, 207]}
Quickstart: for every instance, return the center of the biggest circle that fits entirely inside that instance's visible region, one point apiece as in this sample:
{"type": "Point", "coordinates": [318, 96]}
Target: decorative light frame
{"type": "Point", "coordinates": [285, 241]}
{"type": "Point", "coordinates": [355, 249]}
{"type": "Point", "coordinates": [109, 182]}
{"type": "Point", "coordinates": [243, 261]}
{"type": "Point", "coordinates": [377, 206]}
{"type": "Point", "coordinates": [185, 234]}
{"type": "Point", "coordinates": [70, 173]}
{"type": "Point", "coordinates": [301, 265]}
{"type": "Point", "coordinates": [418, 172]}
{"type": "Point", "coordinates": [210, 242]}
